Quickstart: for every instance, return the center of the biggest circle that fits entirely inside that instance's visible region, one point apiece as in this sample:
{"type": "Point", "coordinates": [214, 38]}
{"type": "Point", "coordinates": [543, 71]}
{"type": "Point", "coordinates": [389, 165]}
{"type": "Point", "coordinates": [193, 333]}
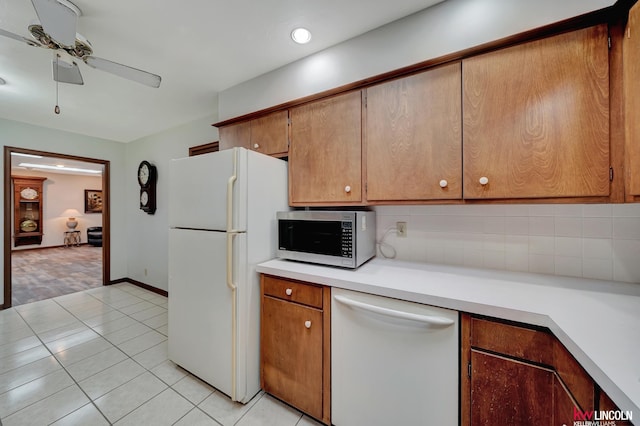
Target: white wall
{"type": "Point", "coordinates": [600, 241]}
{"type": "Point", "coordinates": [445, 28]}
{"type": "Point", "coordinates": [147, 235]}
{"type": "Point", "coordinates": [62, 192]}
{"type": "Point", "coordinates": [23, 135]}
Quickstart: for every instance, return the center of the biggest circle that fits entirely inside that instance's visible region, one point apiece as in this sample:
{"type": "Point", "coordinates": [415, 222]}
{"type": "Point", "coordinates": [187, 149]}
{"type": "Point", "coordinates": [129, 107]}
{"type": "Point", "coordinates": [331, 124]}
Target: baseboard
{"type": "Point", "coordinates": [161, 292]}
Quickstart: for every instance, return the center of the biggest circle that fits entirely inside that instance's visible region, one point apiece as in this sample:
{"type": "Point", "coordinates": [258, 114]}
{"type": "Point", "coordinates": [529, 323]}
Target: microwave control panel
{"type": "Point", "coordinates": [347, 239]}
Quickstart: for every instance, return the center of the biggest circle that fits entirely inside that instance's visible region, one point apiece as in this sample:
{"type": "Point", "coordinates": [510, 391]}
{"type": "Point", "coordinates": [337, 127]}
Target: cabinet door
{"type": "Point", "coordinates": [235, 135]}
{"type": "Point", "coordinates": [631, 83]}
{"type": "Point", "coordinates": [270, 134]}
{"type": "Point", "coordinates": [325, 152]}
{"type": "Point", "coordinates": [536, 119]}
{"type": "Point", "coordinates": [509, 392]}
{"type": "Point", "coordinates": [413, 137]}
{"type": "Point", "coordinates": [292, 354]}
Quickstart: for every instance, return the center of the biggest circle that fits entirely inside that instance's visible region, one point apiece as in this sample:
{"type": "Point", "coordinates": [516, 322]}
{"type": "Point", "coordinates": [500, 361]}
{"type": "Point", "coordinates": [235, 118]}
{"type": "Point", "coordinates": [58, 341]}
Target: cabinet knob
{"type": "Point", "coordinates": [307, 324]}
{"type": "Point", "coordinates": [484, 180]}
{"type": "Point", "coordinates": [347, 189]}
{"type": "Point", "coordinates": [256, 146]}
{"type": "Point", "coordinates": [443, 183]}
{"type": "Point", "coordinates": [288, 292]}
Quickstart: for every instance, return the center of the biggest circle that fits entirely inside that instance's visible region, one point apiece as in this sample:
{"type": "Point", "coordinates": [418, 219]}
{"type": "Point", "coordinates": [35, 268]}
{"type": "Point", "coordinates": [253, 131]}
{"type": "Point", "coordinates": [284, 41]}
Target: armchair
{"type": "Point", "coordinates": [94, 236]}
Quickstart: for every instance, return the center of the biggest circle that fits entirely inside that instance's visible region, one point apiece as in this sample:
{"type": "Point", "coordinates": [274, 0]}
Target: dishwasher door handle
{"type": "Point", "coordinates": [425, 319]}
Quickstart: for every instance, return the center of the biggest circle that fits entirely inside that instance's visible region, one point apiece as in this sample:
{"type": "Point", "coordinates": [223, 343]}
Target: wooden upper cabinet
{"type": "Point", "coordinates": [325, 152]}
{"type": "Point", "coordinates": [268, 134]}
{"type": "Point", "coordinates": [413, 137]}
{"type": "Point", "coordinates": [235, 135]}
{"type": "Point", "coordinates": [631, 73]}
{"type": "Point", "coordinates": [536, 118]}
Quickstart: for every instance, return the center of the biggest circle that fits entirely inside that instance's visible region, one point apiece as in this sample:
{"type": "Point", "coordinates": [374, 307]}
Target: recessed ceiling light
{"type": "Point", "coordinates": [301, 35]}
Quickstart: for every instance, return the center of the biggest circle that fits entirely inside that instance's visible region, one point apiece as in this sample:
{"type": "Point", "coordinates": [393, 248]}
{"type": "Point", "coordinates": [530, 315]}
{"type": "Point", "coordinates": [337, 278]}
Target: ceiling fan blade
{"type": "Point", "coordinates": [58, 20]}
{"type": "Point", "coordinates": [124, 71]}
{"type": "Point", "coordinates": [19, 38]}
{"type": "Point", "coordinates": [66, 73]}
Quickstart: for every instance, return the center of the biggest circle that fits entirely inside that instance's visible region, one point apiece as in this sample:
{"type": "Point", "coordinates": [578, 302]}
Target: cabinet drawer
{"type": "Point", "coordinates": [293, 291]}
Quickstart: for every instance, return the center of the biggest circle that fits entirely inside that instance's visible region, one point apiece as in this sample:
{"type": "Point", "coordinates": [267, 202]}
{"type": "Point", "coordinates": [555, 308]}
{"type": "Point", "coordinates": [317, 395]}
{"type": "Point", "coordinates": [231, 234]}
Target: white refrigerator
{"type": "Point", "coordinates": [222, 220]}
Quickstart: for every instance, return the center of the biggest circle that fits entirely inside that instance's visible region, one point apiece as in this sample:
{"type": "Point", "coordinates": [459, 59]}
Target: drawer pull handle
{"type": "Point", "coordinates": [483, 180]}
{"type": "Point", "coordinates": [347, 189]}
{"type": "Point", "coordinates": [288, 292]}
{"type": "Point", "coordinates": [443, 183]}
{"type": "Point", "coordinates": [424, 319]}
{"type": "Point", "coordinates": [256, 146]}
{"type": "Point", "coordinates": [307, 324]}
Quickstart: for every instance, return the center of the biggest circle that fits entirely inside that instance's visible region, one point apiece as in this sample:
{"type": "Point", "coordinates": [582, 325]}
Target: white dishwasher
{"type": "Point", "coordinates": [392, 362]}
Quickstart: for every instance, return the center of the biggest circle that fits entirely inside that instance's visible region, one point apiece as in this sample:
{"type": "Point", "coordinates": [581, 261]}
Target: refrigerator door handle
{"type": "Point", "coordinates": [234, 325]}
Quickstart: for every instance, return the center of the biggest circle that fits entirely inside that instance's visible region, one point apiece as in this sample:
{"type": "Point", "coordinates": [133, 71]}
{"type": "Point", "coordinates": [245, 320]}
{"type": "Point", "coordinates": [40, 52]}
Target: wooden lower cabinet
{"type": "Point", "coordinates": [295, 338]}
{"type": "Point", "coordinates": [516, 375]}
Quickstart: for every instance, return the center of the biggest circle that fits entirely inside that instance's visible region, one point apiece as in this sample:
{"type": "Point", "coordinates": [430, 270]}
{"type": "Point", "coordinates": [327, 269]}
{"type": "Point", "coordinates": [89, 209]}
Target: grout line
{"type": "Point", "coordinates": [65, 369]}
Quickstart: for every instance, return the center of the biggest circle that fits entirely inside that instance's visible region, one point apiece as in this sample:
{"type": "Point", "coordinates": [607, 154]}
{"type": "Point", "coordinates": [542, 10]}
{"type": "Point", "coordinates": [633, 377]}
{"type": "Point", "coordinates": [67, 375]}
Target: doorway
{"type": "Point", "coordinates": [8, 209]}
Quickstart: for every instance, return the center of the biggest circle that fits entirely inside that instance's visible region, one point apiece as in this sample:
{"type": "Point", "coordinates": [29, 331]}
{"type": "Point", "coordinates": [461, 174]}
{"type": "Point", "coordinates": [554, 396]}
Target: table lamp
{"type": "Point", "coordinates": [71, 214]}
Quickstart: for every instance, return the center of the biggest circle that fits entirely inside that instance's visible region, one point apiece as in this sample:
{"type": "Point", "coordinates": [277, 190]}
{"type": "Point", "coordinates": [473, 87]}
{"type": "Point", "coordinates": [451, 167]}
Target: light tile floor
{"type": "Point", "coordinates": [99, 357]}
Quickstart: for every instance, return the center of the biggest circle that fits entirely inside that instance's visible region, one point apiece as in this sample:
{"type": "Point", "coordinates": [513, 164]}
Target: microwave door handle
{"type": "Point", "coordinates": [423, 319]}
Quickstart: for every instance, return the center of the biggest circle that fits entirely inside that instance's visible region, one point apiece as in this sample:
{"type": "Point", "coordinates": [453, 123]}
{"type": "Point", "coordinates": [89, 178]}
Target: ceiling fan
{"type": "Point", "coordinates": [57, 31]}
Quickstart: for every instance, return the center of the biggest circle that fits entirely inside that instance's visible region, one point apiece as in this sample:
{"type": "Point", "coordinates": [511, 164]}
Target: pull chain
{"type": "Point", "coordinates": [57, 108]}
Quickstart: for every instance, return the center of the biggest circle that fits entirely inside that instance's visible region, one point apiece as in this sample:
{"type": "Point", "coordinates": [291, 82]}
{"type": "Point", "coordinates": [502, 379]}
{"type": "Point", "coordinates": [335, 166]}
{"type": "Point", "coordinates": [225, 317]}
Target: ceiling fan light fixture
{"type": "Point", "coordinates": [301, 35]}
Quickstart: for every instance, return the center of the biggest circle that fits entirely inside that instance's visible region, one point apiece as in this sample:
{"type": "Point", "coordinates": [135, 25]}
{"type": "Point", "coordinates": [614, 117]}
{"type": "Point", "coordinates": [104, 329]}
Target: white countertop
{"type": "Point", "coordinates": [598, 321]}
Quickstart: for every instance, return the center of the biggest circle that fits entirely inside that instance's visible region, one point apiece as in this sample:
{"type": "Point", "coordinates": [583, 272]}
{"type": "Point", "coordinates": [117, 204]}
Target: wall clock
{"type": "Point", "coordinates": [147, 176]}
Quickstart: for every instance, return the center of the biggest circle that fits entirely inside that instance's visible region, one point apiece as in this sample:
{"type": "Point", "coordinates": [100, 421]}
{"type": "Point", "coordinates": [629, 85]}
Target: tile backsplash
{"type": "Point", "coordinates": [600, 241]}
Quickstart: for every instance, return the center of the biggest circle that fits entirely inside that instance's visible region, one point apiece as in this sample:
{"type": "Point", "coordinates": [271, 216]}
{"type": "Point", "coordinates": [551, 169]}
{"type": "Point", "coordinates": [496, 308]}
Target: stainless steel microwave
{"type": "Point", "coordinates": [335, 238]}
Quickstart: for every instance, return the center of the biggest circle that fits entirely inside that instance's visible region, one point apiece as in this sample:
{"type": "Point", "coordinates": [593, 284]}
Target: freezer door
{"type": "Point", "coordinates": [200, 306]}
{"type": "Point", "coordinates": [199, 186]}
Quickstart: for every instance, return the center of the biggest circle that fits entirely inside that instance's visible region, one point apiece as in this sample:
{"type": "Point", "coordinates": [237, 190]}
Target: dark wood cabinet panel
{"type": "Point", "coordinates": [413, 137]}
{"type": "Point", "coordinates": [516, 374]}
{"type": "Point", "coordinates": [536, 118]}
{"type": "Point", "coordinates": [509, 392]}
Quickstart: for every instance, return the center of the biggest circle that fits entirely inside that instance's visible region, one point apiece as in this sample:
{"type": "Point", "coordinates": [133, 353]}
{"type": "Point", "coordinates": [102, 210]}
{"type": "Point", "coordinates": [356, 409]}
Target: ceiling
{"type": "Point", "coordinates": [199, 47]}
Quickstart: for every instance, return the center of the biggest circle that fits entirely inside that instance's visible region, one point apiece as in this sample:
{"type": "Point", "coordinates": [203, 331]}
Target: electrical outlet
{"type": "Point", "coordinates": [401, 229]}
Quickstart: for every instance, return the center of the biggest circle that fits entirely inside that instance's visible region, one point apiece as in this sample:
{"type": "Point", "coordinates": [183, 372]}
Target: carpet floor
{"type": "Point", "coordinates": [46, 273]}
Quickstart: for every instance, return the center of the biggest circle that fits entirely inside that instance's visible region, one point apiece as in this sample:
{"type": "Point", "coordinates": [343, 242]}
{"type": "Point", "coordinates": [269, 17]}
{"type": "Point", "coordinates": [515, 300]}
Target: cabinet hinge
{"type": "Point", "coordinates": [469, 370]}
{"type": "Point", "coordinates": [609, 41]}
{"type": "Point", "coordinates": [610, 174]}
